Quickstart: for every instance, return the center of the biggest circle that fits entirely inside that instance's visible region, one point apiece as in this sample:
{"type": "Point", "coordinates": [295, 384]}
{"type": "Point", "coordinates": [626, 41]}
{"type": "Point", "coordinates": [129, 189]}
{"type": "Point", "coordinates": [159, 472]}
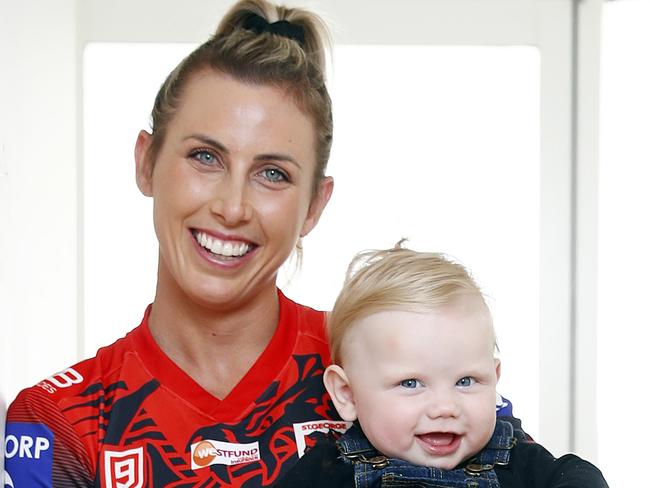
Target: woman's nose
{"type": "Point", "coordinates": [231, 201]}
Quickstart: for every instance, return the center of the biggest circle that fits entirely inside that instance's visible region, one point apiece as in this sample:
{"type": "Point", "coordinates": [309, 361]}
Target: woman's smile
{"type": "Point", "coordinates": [222, 250]}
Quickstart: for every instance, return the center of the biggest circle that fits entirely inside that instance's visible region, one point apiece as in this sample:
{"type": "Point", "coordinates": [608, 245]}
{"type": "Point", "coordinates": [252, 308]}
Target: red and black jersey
{"type": "Point", "coordinates": [131, 418]}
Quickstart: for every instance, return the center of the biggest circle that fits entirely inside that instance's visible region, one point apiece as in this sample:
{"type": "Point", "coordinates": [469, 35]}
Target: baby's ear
{"type": "Point", "coordinates": [497, 367]}
{"type": "Point", "coordinates": [338, 386]}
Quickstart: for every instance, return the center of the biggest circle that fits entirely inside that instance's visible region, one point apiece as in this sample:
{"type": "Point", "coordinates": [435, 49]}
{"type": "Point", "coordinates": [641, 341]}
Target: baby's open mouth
{"type": "Point", "coordinates": [440, 443]}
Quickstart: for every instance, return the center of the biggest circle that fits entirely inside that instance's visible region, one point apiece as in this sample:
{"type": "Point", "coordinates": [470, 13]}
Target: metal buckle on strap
{"type": "Point", "coordinates": [377, 462]}
{"type": "Point", "coordinates": [474, 469]}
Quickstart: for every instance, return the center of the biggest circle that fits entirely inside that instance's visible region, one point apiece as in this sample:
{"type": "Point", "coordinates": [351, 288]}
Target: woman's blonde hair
{"type": "Point", "coordinates": [293, 63]}
{"type": "Point", "coordinates": [396, 279]}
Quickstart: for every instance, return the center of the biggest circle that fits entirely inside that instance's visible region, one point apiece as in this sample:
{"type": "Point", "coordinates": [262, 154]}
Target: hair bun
{"type": "Point", "coordinates": [284, 28]}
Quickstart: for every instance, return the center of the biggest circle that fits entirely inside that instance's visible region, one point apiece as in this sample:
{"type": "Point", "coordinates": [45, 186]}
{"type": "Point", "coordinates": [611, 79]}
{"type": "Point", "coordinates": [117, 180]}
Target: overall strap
{"type": "Point", "coordinates": [497, 450]}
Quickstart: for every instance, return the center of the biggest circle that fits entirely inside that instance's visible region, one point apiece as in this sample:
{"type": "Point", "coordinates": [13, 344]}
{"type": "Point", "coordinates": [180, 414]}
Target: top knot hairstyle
{"type": "Point", "coordinates": [396, 279]}
{"type": "Point", "coordinates": [260, 43]}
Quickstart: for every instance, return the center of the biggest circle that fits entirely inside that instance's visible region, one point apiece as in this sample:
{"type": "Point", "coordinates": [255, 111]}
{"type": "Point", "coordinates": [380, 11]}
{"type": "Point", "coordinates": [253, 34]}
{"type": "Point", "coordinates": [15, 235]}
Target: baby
{"type": "Point", "coordinates": [414, 367]}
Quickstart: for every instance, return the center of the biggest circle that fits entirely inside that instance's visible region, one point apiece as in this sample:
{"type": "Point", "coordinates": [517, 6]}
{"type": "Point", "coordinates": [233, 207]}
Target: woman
{"type": "Point", "coordinates": [221, 383]}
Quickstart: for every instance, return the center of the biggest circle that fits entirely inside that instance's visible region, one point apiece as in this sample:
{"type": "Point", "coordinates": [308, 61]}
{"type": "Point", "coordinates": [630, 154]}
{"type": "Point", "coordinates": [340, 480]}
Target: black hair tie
{"type": "Point", "coordinates": [284, 28]}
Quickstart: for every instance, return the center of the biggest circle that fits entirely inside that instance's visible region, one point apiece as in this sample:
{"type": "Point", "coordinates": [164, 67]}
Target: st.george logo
{"type": "Point", "coordinates": [124, 469]}
{"type": "Point", "coordinates": [308, 433]}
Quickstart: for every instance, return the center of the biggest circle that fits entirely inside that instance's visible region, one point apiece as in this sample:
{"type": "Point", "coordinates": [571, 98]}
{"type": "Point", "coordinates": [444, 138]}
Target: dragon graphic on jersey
{"type": "Point", "coordinates": [125, 422]}
{"type": "Point", "coordinates": [305, 398]}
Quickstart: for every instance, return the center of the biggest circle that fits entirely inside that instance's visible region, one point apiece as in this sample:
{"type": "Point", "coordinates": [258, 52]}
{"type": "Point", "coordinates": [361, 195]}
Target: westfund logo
{"type": "Point", "coordinates": [208, 452]}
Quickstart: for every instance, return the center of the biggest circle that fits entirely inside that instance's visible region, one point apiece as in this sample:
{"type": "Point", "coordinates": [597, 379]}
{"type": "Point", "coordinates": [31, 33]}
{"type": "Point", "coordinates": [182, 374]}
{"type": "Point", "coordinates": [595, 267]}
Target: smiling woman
{"type": "Point", "coordinates": [223, 363]}
{"type": "Point", "coordinates": [210, 182]}
{"type": "Point", "coordinates": [236, 167]}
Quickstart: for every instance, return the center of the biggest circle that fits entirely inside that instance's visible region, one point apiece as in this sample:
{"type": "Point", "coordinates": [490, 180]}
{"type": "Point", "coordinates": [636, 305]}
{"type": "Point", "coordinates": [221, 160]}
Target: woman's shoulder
{"type": "Point", "coordinates": [75, 381]}
{"type": "Point", "coordinates": [61, 416]}
{"type": "Point", "coordinates": [46, 417]}
{"type": "Point", "coordinates": [307, 319]}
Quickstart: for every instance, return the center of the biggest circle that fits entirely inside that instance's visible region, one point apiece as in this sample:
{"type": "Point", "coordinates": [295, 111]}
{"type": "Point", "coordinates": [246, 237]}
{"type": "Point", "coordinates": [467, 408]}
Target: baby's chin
{"type": "Point", "coordinates": [446, 463]}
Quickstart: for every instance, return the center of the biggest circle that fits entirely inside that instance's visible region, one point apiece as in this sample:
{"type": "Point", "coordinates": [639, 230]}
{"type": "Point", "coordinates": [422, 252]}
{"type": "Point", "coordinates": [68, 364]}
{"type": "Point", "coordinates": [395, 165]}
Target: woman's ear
{"type": "Point", "coordinates": [338, 386]}
{"type": "Point", "coordinates": [318, 204]}
{"type": "Point", "coordinates": [143, 163]}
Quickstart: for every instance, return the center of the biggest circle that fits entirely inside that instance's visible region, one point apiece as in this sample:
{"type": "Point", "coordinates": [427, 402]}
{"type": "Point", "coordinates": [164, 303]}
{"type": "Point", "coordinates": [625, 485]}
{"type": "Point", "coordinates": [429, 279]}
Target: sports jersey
{"type": "Point", "coordinates": [131, 418]}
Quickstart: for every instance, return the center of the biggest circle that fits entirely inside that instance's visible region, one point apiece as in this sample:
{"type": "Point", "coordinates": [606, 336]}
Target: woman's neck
{"type": "Point", "coordinates": [216, 346]}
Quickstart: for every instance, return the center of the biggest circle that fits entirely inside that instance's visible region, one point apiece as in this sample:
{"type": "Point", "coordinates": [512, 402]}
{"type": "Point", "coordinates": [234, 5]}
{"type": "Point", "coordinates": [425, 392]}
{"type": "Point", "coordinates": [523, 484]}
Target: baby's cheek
{"type": "Point", "coordinates": [388, 437]}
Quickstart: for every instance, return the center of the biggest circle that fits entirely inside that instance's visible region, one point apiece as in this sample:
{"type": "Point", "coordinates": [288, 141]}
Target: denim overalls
{"type": "Point", "coordinates": [373, 470]}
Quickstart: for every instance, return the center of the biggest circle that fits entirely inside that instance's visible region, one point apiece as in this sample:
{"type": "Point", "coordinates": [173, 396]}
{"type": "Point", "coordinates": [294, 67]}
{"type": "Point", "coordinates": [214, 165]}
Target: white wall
{"type": "Point", "coordinates": [38, 191]}
{"type": "Point", "coordinates": [624, 237]}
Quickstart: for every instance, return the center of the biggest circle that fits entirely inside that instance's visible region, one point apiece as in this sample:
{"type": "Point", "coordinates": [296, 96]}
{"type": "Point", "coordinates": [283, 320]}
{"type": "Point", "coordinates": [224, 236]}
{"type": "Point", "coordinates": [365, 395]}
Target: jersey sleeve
{"type": "Point", "coordinates": [42, 449]}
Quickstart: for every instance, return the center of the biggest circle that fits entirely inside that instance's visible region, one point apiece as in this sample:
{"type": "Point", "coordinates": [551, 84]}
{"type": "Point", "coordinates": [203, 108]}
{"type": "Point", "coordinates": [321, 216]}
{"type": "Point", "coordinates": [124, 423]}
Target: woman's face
{"type": "Point", "coordinates": [232, 188]}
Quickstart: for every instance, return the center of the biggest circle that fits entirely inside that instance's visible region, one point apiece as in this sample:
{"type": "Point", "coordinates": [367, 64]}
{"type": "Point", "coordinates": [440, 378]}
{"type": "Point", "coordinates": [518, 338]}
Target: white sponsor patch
{"type": "Point", "coordinates": [208, 452]}
{"type": "Point", "coordinates": [305, 430]}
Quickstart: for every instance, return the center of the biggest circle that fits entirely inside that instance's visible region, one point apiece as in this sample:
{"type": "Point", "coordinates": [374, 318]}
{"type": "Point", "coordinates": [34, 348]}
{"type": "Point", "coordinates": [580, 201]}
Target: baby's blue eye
{"type": "Point", "coordinates": [410, 383]}
{"type": "Point", "coordinates": [465, 382]}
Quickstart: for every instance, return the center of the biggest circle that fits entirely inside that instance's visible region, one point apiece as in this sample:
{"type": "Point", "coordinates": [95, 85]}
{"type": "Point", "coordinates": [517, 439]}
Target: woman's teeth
{"type": "Point", "coordinates": [224, 248]}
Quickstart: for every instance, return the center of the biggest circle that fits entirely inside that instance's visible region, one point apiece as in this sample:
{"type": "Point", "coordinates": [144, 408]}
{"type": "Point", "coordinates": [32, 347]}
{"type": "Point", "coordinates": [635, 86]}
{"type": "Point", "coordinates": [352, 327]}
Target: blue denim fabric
{"type": "Point", "coordinates": [373, 470]}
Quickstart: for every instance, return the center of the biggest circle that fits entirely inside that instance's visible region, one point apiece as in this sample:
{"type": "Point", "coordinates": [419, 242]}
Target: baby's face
{"type": "Point", "coordinates": [424, 384]}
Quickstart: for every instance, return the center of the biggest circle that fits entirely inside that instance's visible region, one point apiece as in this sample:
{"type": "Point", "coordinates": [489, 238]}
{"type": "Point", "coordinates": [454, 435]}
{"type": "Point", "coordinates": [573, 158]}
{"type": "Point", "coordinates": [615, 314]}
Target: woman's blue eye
{"type": "Point", "coordinates": [465, 382]}
{"type": "Point", "coordinates": [274, 175]}
{"type": "Point", "coordinates": [410, 383]}
{"type": "Point", "coordinates": [204, 157]}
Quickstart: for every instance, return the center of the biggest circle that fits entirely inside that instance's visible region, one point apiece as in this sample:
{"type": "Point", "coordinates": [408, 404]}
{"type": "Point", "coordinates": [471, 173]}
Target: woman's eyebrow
{"type": "Point", "coordinates": [278, 157]}
{"type": "Point", "coordinates": [208, 141]}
